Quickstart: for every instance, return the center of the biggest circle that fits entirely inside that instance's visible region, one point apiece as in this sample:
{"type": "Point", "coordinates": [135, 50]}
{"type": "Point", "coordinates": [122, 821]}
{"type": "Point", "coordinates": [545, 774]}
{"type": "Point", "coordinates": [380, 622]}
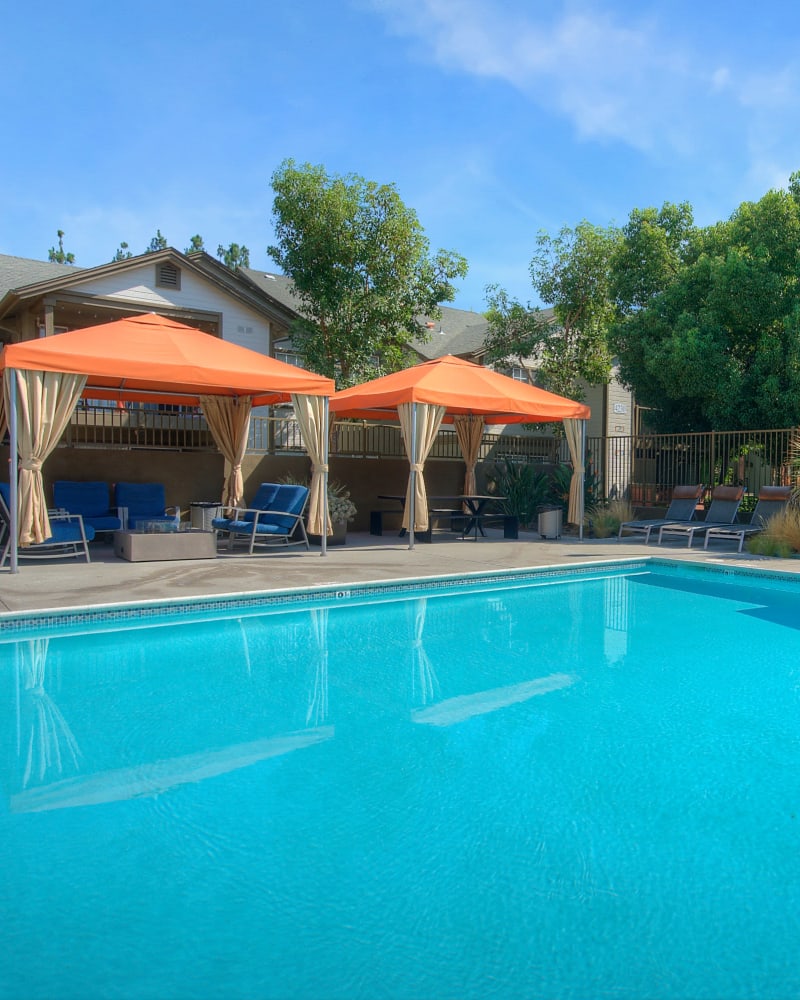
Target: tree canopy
{"type": "Point", "coordinates": [709, 328]}
{"type": "Point", "coordinates": [361, 267]}
{"type": "Point", "coordinates": [60, 255]}
{"type": "Point", "coordinates": [568, 345]}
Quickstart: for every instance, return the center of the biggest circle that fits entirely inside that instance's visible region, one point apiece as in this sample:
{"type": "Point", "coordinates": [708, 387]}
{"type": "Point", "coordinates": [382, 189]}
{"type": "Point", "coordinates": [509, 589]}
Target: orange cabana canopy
{"type": "Point", "coordinates": [153, 359]}
{"type": "Point", "coordinates": [451, 390]}
{"type": "Point", "coordinates": [150, 359]}
{"type": "Point", "coordinates": [462, 388]}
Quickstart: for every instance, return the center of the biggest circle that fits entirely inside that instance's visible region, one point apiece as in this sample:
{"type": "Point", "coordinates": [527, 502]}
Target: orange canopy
{"type": "Point", "coordinates": [461, 387]}
{"type": "Point", "coordinates": [154, 359]}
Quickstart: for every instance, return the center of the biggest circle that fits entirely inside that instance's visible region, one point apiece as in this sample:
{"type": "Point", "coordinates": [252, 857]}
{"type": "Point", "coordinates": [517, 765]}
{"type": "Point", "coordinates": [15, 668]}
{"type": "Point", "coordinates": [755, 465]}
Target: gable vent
{"type": "Point", "coordinates": [167, 276]}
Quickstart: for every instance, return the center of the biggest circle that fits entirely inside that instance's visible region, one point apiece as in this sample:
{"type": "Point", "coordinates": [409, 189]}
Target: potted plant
{"type": "Point", "coordinates": [341, 510]}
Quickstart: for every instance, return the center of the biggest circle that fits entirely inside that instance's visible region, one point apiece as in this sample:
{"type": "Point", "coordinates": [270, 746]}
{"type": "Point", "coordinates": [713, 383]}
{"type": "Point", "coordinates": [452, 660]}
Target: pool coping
{"type": "Point", "coordinates": [15, 623]}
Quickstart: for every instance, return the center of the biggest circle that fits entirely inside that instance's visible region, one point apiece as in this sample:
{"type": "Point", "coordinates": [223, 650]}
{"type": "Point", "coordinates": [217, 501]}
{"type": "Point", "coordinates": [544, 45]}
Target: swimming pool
{"type": "Point", "coordinates": [551, 784]}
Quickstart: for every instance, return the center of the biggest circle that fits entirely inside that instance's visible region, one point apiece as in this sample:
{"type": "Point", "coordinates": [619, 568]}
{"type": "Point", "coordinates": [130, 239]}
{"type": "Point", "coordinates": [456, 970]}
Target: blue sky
{"type": "Point", "coordinates": [495, 119]}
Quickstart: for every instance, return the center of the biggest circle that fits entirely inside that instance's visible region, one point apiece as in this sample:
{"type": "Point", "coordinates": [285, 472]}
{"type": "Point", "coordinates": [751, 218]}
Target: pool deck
{"type": "Point", "coordinates": [62, 583]}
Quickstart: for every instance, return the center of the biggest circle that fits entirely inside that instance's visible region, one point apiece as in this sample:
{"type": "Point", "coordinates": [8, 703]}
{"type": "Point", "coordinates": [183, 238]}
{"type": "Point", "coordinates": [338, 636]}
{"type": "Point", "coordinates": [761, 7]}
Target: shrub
{"type": "Point", "coordinates": [780, 537]}
{"type": "Point", "coordinates": [524, 487]}
{"type": "Point", "coordinates": [604, 519]}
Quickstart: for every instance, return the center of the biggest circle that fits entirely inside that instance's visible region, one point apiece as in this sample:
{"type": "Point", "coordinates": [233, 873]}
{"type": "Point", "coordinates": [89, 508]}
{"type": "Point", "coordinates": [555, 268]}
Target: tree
{"type": "Point", "coordinates": [570, 272]}
{"type": "Point", "coordinates": [60, 256]}
{"type": "Point", "coordinates": [158, 242]}
{"type": "Point", "coordinates": [362, 269]}
{"type": "Point", "coordinates": [123, 253]}
{"type": "Point", "coordinates": [718, 346]}
{"type": "Point", "coordinates": [196, 245]}
{"type": "Point", "coordinates": [234, 257]}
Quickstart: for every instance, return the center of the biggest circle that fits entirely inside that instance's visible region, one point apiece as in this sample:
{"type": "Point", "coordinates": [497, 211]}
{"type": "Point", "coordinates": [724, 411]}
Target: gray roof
{"type": "Point", "coordinates": [18, 272]}
{"type": "Point", "coordinates": [458, 331]}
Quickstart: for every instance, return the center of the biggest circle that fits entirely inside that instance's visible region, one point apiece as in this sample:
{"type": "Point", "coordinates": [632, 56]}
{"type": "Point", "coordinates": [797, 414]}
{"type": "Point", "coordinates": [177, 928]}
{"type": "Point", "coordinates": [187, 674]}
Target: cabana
{"type": "Point", "coordinates": [451, 390]}
{"type": "Point", "coordinates": [150, 359]}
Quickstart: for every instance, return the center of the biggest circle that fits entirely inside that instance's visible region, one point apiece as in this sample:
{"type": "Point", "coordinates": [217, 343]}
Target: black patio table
{"type": "Point", "coordinates": [475, 504]}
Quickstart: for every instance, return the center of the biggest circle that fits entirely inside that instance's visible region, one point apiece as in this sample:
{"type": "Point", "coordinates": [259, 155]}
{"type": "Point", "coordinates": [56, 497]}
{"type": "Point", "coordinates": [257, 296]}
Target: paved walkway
{"type": "Point", "coordinates": [108, 580]}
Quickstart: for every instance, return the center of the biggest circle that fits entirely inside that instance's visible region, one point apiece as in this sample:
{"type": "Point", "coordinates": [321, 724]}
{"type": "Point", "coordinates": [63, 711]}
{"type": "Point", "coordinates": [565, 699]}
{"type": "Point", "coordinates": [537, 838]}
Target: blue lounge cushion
{"type": "Point", "coordinates": [144, 502]}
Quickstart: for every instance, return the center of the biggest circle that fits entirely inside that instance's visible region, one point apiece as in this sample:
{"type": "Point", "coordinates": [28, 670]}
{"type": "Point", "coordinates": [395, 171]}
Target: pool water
{"type": "Point", "coordinates": [578, 786]}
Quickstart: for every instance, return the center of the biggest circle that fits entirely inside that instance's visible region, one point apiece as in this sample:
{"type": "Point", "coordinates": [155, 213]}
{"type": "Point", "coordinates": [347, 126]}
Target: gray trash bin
{"type": "Point", "coordinates": [550, 523]}
{"type": "Point", "coordinates": [202, 512]}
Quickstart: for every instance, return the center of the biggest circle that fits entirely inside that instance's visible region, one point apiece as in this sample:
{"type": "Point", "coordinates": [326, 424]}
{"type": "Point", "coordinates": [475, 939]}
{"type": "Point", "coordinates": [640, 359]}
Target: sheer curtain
{"type": "Point", "coordinates": [45, 403]}
{"type": "Point", "coordinates": [312, 415]}
{"type": "Point", "coordinates": [429, 418]}
{"type": "Point", "coordinates": [228, 418]}
{"type": "Point", "coordinates": [573, 429]}
{"type": "Point", "coordinates": [469, 431]}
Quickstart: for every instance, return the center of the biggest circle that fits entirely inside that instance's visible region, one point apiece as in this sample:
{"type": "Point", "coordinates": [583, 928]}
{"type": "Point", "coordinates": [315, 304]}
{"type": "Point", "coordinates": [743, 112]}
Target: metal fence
{"type": "Point", "coordinates": [643, 468]}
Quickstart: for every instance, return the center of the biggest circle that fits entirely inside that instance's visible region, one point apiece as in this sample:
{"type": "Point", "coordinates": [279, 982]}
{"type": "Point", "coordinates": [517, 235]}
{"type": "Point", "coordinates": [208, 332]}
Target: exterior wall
{"type": "Point", "coordinates": [240, 325]}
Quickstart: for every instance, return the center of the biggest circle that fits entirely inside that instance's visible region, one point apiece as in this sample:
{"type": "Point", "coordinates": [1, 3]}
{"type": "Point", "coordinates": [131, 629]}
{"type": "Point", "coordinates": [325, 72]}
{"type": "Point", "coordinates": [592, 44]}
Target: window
{"type": "Point", "coordinates": [168, 276]}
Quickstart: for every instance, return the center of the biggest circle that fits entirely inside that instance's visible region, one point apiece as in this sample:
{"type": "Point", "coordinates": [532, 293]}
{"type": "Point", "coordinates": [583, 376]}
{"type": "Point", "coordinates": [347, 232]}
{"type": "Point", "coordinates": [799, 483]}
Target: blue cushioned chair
{"type": "Point", "coordinates": [139, 502]}
{"type": "Point", "coordinates": [69, 536]}
{"type": "Point", "coordinates": [90, 500]}
{"type": "Point", "coordinates": [275, 517]}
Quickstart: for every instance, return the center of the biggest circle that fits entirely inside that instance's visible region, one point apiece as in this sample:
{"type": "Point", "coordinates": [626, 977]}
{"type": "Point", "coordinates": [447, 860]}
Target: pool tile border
{"type": "Point", "coordinates": [18, 623]}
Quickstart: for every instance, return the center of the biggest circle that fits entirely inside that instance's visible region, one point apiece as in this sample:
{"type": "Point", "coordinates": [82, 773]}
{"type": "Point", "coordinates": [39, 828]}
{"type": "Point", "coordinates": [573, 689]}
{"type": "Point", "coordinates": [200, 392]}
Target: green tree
{"type": "Point", "coordinates": [158, 242]}
{"type": "Point", "coordinates": [362, 269]}
{"type": "Point", "coordinates": [59, 256]}
{"type": "Point", "coordinates": [718, 347]}
{"type": "Point", "coordinates": [569, 346]}
{"type": "Point", "coordinates": [123, 253]}
{"type": "Point", "coordinates": [196, 245]}
{"type": "Point", "coordinates": [234, 256]}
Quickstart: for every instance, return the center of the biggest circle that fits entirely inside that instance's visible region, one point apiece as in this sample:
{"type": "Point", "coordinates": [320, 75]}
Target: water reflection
{"type": "Point", "coordinates": [46, 746]}
{"type": "Point", "coordinates": [424, 682]}
{"type": "Point", "coordinates": [156, 708]}
{"type": "Point", "coordinates": [462, 707]}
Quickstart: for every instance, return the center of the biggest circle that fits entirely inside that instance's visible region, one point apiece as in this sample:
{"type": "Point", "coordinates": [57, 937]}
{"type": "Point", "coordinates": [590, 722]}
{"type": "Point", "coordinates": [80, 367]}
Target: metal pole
{"type": "Point", "coordinates": [583, 479]}
{"type": "Point", "coordinates": [323, 541]}
{"type": "Point", "coordinates": [12, 468]}
{"type": "Point", "coordinates": [412, 513]}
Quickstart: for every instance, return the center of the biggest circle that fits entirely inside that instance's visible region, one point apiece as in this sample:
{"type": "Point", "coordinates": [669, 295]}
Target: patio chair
{"type": "Point", "coordinates": [90, 500]}
{"type": "Point", "coordinates": [145, 502]}
{"type": "Point", "coordinates": [682, 507]}
{"type": "Point", "coordinates": [275, 518]}
{"type": "Point", "coordinates": [722, 511]}
{"type": "Point", "coordinates": [69, 535]}
{"type": "Point", "coordinates": [771, 501]}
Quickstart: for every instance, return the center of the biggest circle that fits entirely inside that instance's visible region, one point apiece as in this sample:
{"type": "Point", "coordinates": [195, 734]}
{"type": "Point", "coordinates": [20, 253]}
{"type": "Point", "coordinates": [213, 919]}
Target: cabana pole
{"type": "Point", "coordinates": [583, 479]}
{"type": "Point", "coordinates": [323, 538]}
{"type": "Point", "coordinates": [412, 500]}
{"type": "Point", "coordinates": [13, 464]}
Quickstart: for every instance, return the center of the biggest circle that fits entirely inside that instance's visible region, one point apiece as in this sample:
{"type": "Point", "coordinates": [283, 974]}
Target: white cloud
{"type": "Point", "coordinates": [630, 81]}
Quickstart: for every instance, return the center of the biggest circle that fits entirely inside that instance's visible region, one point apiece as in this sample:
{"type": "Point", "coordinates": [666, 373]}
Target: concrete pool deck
{"type": "Point", "coordinates": [62, 583]}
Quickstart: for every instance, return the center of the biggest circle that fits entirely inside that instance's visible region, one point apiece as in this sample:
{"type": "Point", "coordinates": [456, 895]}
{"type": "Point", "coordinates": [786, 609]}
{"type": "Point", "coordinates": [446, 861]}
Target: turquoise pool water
{"type": "Point", "coordinates": [560, 786]}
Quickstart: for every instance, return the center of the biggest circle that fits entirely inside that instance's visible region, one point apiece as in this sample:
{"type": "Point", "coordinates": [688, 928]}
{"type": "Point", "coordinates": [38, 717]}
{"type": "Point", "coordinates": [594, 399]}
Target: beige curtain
{"type": "Point", "coordinates": [3, 421]}
{"type": "Point", "coordinates": [310, 412]}
{"type": "Point", "coordinates": [572, 429]}
{"type": "Point", "coordinates": [429, 417]}
{"type": "Point", "coordinates": [229, 421]}
{"type": "Point", "coordinates": [469, 431]}
{"type": "Point", "coordinates": [45, 402]}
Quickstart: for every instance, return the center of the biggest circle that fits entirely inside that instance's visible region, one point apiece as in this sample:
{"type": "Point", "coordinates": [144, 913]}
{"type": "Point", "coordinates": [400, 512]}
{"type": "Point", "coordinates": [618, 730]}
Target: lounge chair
{"type": "Point", "coordinates": [275, 518]}
{"type": "Point", "coordinates": [145, 502]}
{"type": "Point", "coordinates": [771, 501]}
{"type": "Point", "coordinates": [69, 535]}
{"type": "Point", "coordinates": [682, 507]}
{"type": "Point", "coordinates": [722, 511]}
{"type": "Point", "coordinates": [90, 500]}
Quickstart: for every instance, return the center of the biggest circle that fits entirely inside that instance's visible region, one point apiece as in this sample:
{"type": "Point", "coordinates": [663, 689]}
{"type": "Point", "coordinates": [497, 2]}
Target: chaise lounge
{"type": "Point", "coordinates": [275, 518]}
{"type": "Point", "coordinates": [771, 501]}
{"type": "Point", "coordinates": [682, 507]}
{"type": "Point", "coordinates": [722, 511]}
{"type": "Point", "coordinates": [69, 535]}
